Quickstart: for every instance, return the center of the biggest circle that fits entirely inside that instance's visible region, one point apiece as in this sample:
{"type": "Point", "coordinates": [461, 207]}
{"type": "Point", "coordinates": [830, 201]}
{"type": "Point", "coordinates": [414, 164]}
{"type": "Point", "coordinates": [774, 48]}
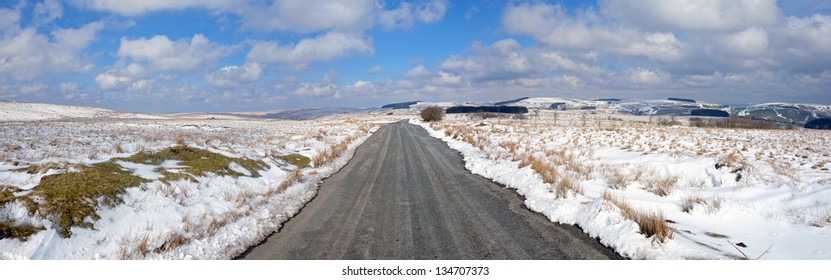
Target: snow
{"type": "Point", "coordinates": [781, 202]}
{"type": "Point", "coordinates": [215, 217]}
{"type": "Point", "coordinates": [19, 111]}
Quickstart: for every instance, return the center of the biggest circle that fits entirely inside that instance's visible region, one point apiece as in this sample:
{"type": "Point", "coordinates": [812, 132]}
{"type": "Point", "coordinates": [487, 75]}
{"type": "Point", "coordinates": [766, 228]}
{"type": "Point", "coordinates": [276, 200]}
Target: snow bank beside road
{"type": "Point", "coordinates": [765, 208]}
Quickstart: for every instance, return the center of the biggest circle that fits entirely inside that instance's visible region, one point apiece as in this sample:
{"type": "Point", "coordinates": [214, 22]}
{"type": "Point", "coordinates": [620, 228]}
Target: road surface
{"type": "Point", "coordinates": [406, 195]}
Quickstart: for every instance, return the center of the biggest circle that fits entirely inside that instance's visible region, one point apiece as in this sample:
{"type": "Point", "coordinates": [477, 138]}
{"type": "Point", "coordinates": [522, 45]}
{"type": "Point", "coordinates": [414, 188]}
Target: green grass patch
{"type": "Point", "coordinates": [296, 160]}
{"type": "Point", "coordinates": [198, 162]}
{"type": "Point", "coordinates": [715, 235]}
{"type": "Point", "coordinates": [8, 229]}
{"type": "Point", "coordinates": [70, 199]}
{"type": "Point", "coordinates": [6, 194]}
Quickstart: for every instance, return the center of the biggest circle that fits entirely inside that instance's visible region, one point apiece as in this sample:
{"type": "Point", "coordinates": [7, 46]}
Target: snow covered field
{"type": "Point", "coordinates": [723, 193]}
{"type": "Point", "coordinates": [177, 211]}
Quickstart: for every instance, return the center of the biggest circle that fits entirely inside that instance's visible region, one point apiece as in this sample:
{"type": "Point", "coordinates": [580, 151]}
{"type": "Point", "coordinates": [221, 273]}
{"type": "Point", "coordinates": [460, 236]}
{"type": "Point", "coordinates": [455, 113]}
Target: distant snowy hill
{"type": "Point", "coordinates": [310, 114]}
{"type": "Point", "coordinates": [779, 112]}
{"type": "Point", "coordinates": [786, 112]}
{"type": "Point", "coordinates": [20, 111]}
{"type": "Point", "coordinates": [557, 103]}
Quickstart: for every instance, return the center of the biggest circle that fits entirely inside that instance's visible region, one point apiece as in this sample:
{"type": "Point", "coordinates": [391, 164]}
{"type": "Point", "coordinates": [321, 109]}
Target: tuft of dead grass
{"type": "Point", "coordinates": [616, 178]}
{"type": "Point", "coordinates": [660, 185]}
{"type": "Point", "coordinates": [291, 178]}
{"type": "Point", "coordinates": [689, 202]}
{"type": "Point", "coordinates": [652, 223]}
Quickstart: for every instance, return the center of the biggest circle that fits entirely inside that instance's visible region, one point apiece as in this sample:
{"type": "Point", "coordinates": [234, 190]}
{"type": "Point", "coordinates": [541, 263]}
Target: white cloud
{"type": "Point", "coordinates": [9, 19]}
{"type": "Point", "coordinates": [506, 59]}
{"type": "Point", "coordinates": [401, 17]}
{"type": "Point", "coordinates": [807, 37]}
{"type": "Point", "coordinates": [644, 77]}
{"type": "Point", "coordinates": [375, 69]}
{"type": "Point", "coordinates": [432, 11]}
{"type": "Point", "coordinates": [748, 42]}
{"type": "Point", "coordinates": [183, 55]}
{"type": "Point", "coordinates": [550, 25]}
{"type": "Point", "coordinates": [719, 15]}
{"type": "Point", "coordinates": [70, 87]}
{"type": "Point", "coordinates": [79, 38]}
{"type": "Point", "coordinates": [446, 78]}
{"type": "Point", "coordinates": [418, 72]}
{"type": "Point", "coordinates": [309, 15]}
{"type": "Point", "coordinates": [325, 47]}
{"type": "Point", "coordinates": [233, 76]}
{"type": "Point", "coordinates": [406, 14]}
{"type": "Point", "coordinates": [46, 12]}
{"type": "Point", "coordinates": [138, 8]}
{"type": "Point", "coordinates": [25, 54]}
{"type": "Point", "coordinates": [120, 78]}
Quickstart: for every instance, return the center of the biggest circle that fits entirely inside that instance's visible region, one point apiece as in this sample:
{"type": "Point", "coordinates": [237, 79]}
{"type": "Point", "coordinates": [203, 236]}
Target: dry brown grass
{"type": "Point", "coordinates": [567, 184]}
{"type": "Point", "coordinates": [174, 241]}
{"type": "Point", "coordinates": [332, 152]}
{"type": "Point", "coordinates": [652, 223]}
{"type": "Point", "coordinates": [291, 178]}
{"type": "Point", "coordinates": [616, 178]}
{"type": "Point", "coordinates": [660, 185]}
{"type": "Point", "coordinates": [689, 202]}
{"type": "Point", "coordinates": [509, 145]}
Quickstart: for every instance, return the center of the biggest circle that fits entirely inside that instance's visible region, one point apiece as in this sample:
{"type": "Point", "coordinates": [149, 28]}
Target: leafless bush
{"type": "Point", "coordinates": [432, 114]}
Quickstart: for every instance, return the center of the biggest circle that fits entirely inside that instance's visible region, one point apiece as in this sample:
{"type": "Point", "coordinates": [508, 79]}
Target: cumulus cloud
{"type": "Point", "coordinates": [26, 54]}
{"type": "Point", "coordinates": [375, 69]}
{"type": "Point", "coordinates": [713, 15]}
{"type": "Point", "coordinates": [46, 12]}
{"type": "Point", "coordinates": [325, 47]}
{"type": "Point", "coordinates": [233, 76]}
{"type": "Point", "coordinates": [138, 8]}
{"type": "Point", "coordinates": [418, 72]}
{"type": "Point", "coordinates": [406, 14]}
{"type": "Point", "coordinates": [550, 25]}
{"type": "Point", "coordinates": [309, 15]}
{"type": "Point", "coordinates": [120, 78]}
{"type": "Point", "coordinates": [749, 42]}
{"type": "Point", "coordinates": [183, 55]}
{"type": "Point", "coordinates": [9, 19]}
{"type": "Point", "coordinates": [803, 44]}
{"type": "Point", "coordinates": [506, 59]}
{"type": "Point", "coordinates": [644, 77]}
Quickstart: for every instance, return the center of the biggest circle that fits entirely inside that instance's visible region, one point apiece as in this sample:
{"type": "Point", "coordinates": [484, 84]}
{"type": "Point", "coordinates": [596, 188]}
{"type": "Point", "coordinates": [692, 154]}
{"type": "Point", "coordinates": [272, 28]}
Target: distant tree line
{"type": "Point", "coordinates": [402, 105]}
{"type": "Point", "coordinates": [681, 99]}
{"type": "Point", "coordinates": [487, 109]}
{"type": "Point", "coordinates": [733, 122]}
{"type": "Point", "coordinates": [709, 113]}
{"type": "Point", "coordinates": [819, 124]}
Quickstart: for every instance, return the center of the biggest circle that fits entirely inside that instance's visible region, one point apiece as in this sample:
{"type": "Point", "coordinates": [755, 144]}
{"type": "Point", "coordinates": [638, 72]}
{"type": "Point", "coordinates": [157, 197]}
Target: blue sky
{"type": "Point", "coordinates": [232, 55]}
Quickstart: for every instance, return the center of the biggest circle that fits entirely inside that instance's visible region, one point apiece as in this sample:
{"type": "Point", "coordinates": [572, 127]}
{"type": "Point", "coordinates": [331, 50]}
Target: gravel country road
{"type": "Point", "coordinates": [406, 195]}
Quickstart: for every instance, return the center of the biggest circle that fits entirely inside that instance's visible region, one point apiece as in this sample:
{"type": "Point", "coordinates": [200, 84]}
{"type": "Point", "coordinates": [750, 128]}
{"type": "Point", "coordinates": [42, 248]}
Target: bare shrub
{"type": "Point", "coordinates": [432, 114]}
